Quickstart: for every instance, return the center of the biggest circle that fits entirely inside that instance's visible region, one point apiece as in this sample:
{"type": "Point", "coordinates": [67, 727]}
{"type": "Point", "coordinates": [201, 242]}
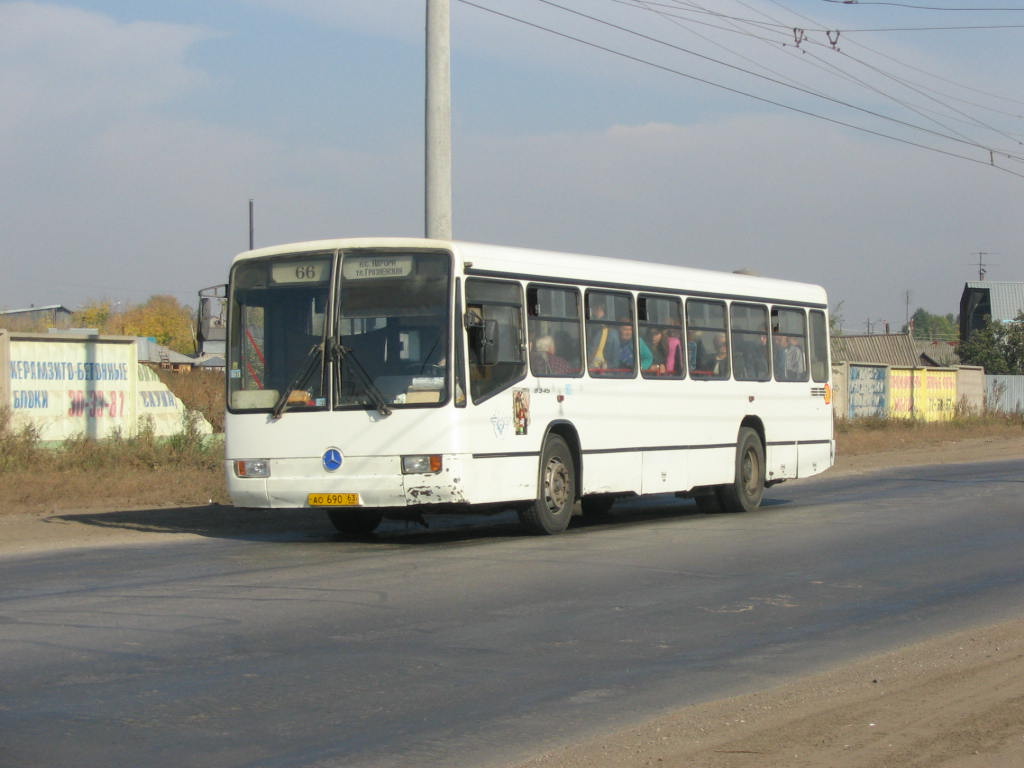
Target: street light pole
{"type": "Point", "coordinates": [438, 140]}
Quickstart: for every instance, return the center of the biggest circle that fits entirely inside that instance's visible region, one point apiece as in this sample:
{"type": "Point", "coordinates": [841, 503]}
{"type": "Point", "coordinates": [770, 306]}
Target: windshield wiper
{"type": "Point", "coordinates": [308, 366]}
{"type": "Point", "coordinates": [338, 351]}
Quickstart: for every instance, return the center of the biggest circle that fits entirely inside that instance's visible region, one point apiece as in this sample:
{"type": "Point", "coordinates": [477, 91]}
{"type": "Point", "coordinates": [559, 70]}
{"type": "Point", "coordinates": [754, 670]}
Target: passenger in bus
{"type": "Point", "coordinates": [657, 344]}
{"type": "Point", "coordinates": [673, 353]}
{"type": "Point", "coordinates": [602, 342]}
{"type": "Point", "coordinates": [779, 344]}
{"type": "Point", "coordinates": [795, 366]}
{"type": "Point", "coordinates": [545, 360]}
{"type": "Point", "coordinates": [720, 363]}
{"type": "Point", "coordinates": [751, 359]}
{"type": "Point", "coordinates": [693, 349]}
{"type": "Point", "coordinates": [625, 359]}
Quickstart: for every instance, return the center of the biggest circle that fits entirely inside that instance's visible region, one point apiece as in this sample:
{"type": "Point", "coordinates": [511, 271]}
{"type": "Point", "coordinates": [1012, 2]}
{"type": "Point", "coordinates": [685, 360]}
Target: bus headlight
{"type": "Point", "coordinates": [421, 465]}
{"type": "Point", "coordinates": [252, 468]}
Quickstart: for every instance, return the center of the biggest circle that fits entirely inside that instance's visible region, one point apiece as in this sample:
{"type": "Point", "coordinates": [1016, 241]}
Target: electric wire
{"type": "Point", "coordinates": [915, 7]}
{"type": "Point", "coordinates": [873, 113]}
{"type": "Point", "coordinates": [919, 88]}
{"type": "Point", "coordinates": [820, 63]}
{"type": "Point", "coordinates": [695, 78]}
{"type": "Point", "coordinates": [946, 28]}
{"type": "Point", "coordinates": [946, 80]}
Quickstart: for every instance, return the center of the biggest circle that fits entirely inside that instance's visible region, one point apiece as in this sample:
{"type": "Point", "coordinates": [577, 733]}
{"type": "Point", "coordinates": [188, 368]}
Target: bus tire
{"type": "Point", "coordinates": [556, 490]}
{"type": "Point", "coordinates": [745, 493]}
{"type": "Point", "coordinates": [355, 522]}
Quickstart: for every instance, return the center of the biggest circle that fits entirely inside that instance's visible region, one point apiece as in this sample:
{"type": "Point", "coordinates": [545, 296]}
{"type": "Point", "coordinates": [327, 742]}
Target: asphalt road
{"type": "Point", "coordinates": [474, 645]}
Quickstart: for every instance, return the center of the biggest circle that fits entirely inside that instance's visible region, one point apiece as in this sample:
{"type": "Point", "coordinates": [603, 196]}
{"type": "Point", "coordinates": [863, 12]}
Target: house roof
{"type": "Point", "coordinates": [882, 348]}
{"type": "Point", "coordinates": [151, 352]}
{"type": "Point", "coordinates": [1006, 299]}
{"type": "Point", "coordinates": [937, 353]}
{"type": "Point", "coordinates": [46, 308]}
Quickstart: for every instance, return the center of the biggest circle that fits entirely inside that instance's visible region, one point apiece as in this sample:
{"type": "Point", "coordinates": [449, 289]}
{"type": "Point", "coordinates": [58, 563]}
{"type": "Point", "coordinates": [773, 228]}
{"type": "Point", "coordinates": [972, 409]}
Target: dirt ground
{"type": "Point", "coordinates": [954, 701]}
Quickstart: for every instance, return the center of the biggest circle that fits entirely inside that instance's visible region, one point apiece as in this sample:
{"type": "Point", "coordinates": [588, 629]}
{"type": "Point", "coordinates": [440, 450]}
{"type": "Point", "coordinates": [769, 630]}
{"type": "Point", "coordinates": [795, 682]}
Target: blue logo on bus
{"type": "Point", "coordinates": [332, 459]}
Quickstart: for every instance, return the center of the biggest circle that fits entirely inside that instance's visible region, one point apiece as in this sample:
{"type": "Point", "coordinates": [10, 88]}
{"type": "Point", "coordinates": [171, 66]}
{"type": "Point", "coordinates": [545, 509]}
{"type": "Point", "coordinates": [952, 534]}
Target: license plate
{"type": "Point", "coordinates": [334, 500]}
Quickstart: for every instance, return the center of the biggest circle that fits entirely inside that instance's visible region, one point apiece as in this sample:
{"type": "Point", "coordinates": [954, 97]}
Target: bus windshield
{"type": "Point", "coordinates": [390, 332]}
{"type": "Point", "coordinates": [392, 325]}
{"type": "Point", "coordinates": [278, 314]}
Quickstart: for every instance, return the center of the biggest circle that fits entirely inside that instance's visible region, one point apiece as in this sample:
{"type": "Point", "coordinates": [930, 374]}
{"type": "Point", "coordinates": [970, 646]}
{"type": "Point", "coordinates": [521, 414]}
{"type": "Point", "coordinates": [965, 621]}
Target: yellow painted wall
{"type": "Point", "coordinates": [928, 394]}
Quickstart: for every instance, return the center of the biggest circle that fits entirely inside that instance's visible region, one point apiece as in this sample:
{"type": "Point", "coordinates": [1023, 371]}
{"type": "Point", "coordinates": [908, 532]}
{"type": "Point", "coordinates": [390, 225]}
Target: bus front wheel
{"type": "Point", "coordinates": [744, 495]}
{"type": "Point", "coordinates": [556, 490]}
{"type": "Point", "coordinates": [355, 522]}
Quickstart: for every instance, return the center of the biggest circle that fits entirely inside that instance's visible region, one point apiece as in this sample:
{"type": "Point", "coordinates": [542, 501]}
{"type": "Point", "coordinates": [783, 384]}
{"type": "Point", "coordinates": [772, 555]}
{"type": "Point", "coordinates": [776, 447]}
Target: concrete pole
{"type": "Point", "coordinates": [439, 121]}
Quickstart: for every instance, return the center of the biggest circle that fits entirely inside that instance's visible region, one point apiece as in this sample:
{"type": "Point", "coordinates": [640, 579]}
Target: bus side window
{"type": "Point", "coordinates": [554, 331]}
{"type": "Point", "coordinates": [660, 323]}
{"type": "Point", "coordinates": [707, 340]}
{"type": "Point", "coordinates": [819, 346]}
{"type": "Point", "coordinates": [611, 348]}
{"type": "Point", "coordinates": [789, 344]}
{"type": "Point", "coordinates": [494, 336]}
{"type": "Point", "coordinates": [751, 358]}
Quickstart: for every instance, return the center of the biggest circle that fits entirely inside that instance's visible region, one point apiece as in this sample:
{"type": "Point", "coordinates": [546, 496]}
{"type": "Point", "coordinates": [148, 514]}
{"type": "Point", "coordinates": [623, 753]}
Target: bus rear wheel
{"type": "Point", "coordinates": [744, 495]}
{"type": "Point", "coordinates": [355, 522]}
{"type": "Point", "coordinates": [556, 490]}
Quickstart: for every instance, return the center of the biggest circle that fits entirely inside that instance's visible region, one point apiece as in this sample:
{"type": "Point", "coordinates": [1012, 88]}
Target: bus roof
{"type": "Point", "coordinates": [528, 263]}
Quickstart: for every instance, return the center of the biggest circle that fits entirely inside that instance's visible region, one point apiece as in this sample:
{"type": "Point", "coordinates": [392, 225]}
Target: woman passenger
{"type": "Point", "coordinates": [656, 343]}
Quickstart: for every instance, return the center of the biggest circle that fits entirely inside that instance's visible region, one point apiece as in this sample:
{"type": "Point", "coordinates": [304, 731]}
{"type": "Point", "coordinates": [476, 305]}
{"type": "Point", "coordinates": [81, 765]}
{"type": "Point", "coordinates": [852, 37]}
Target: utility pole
{"type": "Point", "coordinates": [982, 267]}
{"type": "Point", "coordinates": [438, 140]}
{"type": "Point", "coordinates": [251, 224]}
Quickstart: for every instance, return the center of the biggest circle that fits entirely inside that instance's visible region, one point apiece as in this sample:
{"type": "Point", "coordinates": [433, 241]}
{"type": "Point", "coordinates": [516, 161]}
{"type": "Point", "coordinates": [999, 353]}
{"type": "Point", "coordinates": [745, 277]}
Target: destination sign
{"type": "Point", "coordinates": [376, 266]}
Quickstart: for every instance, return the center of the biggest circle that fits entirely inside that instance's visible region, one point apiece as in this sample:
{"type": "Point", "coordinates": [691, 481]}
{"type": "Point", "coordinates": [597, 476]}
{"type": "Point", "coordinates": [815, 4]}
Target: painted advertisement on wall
{"type": "Point", "coordinates": [923, 393]}
{"type": "Point", "coordinates": [69, 387]}
{"type": "Point", "coordinates": [868, 391]}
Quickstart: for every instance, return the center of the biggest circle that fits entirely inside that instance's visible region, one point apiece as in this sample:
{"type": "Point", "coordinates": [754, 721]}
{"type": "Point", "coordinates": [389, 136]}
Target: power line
{"type": "Point", "coordinates": [695, 78]}
{"type": "Point", "coordinates": [780, 25]}
{"type": "Point", "coordinates": [915, 7]}
{"type": "Point", "coordinates": [946, 80]}
{"type": "Point", "coordinates": [650, 7]}
{"type": "Point", "coordinates": [917, 88]}
{"type": "Point", "coordinates": [956, 139]}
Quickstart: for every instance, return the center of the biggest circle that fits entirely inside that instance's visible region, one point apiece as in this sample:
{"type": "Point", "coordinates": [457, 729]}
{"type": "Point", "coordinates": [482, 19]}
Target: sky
{"type": "Point", "coordinates": [874, 148]}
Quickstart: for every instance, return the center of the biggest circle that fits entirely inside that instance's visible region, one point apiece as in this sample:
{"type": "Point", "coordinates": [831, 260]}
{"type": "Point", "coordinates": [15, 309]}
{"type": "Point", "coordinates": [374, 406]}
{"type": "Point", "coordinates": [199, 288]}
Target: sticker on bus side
{"type": "Point", "coordinates": [521, 410]}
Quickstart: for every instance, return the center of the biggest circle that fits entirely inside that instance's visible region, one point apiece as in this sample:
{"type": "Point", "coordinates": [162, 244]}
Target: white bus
{"type": "Point", "coordinates": [395, 377]}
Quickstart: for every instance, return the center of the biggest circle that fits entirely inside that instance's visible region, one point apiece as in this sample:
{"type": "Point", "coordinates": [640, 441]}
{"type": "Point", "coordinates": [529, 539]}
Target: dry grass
{"type": "Point", "coordinates": [140, 471]}
{"type": "Point", "coordinates": [200, 390]}
{"type": "Point", "coordinates": [854, 438]}
{"type": "Point", "coordinates": [184, 469]}
{"type": "Point", "coordinates": [187, 470]}
{"type": "Point", "coordinates": [29, 491]}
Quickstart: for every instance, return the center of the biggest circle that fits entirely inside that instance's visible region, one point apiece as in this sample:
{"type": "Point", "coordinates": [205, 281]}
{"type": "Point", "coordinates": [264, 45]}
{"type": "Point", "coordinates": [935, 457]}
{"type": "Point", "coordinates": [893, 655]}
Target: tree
{"type": "Point", "coordinates": [998, 347]}
{"type": "Point", "coordinates": [933, 327]}
{"type": "Point", "coordinates": [95, 314]}
{"type": "Point", "coordinates": [163, 319]}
